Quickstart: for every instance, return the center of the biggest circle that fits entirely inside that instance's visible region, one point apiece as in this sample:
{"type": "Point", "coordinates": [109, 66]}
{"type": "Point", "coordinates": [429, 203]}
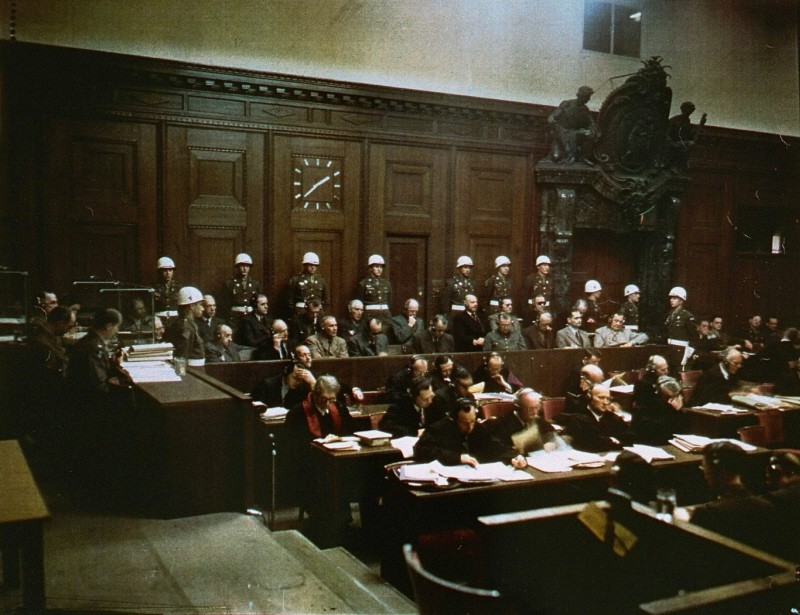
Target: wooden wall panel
{"type": "Point", "coordinates": [605, 257]}
{"type": "Point", "coordinates": [214, 203]}
{"type": "Point", "coordinates": [703, 248]}
{"type": "Point", "coordinates": [100, 182]}
{"type": "Point", "coordinates": [489, 213]}
{"type": "Point", "coordinates": [316, 205]}
{"type": "Point", "coordinates": [408, 199]}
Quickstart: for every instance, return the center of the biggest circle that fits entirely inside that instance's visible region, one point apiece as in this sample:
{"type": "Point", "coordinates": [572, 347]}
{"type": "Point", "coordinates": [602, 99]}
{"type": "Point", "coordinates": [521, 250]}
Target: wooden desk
{"type": "Point", "coordinates": [411, 512]}
{"type": "Point", "coordinates": [673, 567]}
{"type": "Point", "coordinates": [22, 512]}
{"type": "Point", "coordinates": [189, 454]}
{"type": "Point", "coordinates": [342, 477]}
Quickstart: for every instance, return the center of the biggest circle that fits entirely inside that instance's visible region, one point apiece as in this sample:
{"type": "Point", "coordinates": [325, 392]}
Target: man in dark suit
{"type": "Point", "coordinates": [597, 427]}
{"type": "Point", "coordinates": [524, 428]}
{"type": "Point", "coordinates": [277, 349]}
{"type": "Point", "coordinates": [286, 390]}
{"type": "Point", "coordinates": [398, 384]}
{"type": "Point", "coordinates": [572, 336]}
{"type": "Point", "coordinates": [370, 343]}
{"type": "Point", "coordinates": [716, 383]}
{"type": "Point", "coordinates": [207, 324]}
{"type": "Point", "coordinates": [735, 512]}
{"type": "Point", "coordinates": [540, 334]}
{"type": "Point", "coordinates": [254, 329]}
{"type": "Point", "coordinates": [407, 324]}
{"type": "Point", "coordinates": [468, 328]}
{"type": "Point", "coordinates": [411, 414]}
{"type": "Point", "coordinates": [222, 349]}
{"type": "Point", "coordinates": [435, 339]}
{"type": "Point", "coordinates": [460, 439]}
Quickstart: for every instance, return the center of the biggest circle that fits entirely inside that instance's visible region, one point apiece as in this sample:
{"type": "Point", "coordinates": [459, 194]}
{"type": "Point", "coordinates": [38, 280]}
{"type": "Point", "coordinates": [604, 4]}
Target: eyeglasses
{"type": "Point", "coordinates": [541, 302]}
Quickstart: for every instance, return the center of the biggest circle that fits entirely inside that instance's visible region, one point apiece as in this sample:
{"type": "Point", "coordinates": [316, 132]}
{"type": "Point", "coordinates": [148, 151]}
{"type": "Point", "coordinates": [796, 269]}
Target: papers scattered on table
{"type": "Point", "coordinates": [437, 473]}
{"type": "Point", "coordinates": [273, 413]}
{"type": "Point", "coordinates": [150, 371]}
{"type": "Point", "coordinates": [650, 453]}
{"type": "Point", "coordinates": [405, 445]}
{"type": "Point", "coordinates": [622, 388]}
{"type": "Point", "coordinates": [564, 460]}
{"type": "Point", "coordinates": [758, 402]}
{"type": "Point", "coordinates": [724, 408]}
{"type": "Point", "coordinates": [691, 443]}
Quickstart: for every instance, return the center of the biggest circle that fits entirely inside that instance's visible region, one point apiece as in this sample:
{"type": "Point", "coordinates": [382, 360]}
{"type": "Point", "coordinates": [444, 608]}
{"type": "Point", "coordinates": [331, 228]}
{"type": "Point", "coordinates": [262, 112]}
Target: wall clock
{"type": "Point", "coordinates": [316, 183]}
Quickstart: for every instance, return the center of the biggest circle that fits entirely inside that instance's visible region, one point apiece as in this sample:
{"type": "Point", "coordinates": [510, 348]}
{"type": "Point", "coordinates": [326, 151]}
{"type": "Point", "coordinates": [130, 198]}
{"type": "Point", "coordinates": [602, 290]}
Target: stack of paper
{"type": "Point", "coordinates": [564, 460]}
{"type": "Point", "coordinates": [437, 473]}
{"type": "Point", "coordinates": [273, 413]}
{"type": "Point", "coordinates": [150, 371]}
{"type": "Point", "coordinates": [650, 453]}
{"type": "Point", "coordinates": [405, 445]}
{"type": "Point", "coordinates": [723, 408]}
{"type": "Point", "coordinates": [691, 443]}
{"type": "Point", "coordinates": [150, 352]}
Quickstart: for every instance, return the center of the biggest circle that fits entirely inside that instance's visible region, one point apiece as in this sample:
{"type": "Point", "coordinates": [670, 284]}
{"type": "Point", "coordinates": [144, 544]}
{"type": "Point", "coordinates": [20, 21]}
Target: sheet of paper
{"type": "Point", "coordinates": [485, 472]}
{"type": "Point", "coordinates": [649, 453]}
{"type": "Point", "coordinates": [418, 473]}
{"type": "Point", "coordinates": [405, 445]}
{"type": "Point", "coordinates": [275, 413]}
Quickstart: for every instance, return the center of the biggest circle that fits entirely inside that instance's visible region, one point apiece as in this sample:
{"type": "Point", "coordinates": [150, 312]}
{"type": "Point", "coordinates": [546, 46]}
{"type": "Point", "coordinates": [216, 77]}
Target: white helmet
{"type": "Point", "coordinates": [463, 261]}
{"type": "Point", "coordinates": [630, 289]}
{"type": "Point", "coordinates": [310, 258]}
{"type": "Point", "coordinates": [592, 286]}
{"type": "Point", "coordinates": [165, 262]}
{"type": "Point", "coordinates": [678, 291]}
{"type": "Point", "coordinates": [501, 260]}
{"type": "Point", "coordinates": [375, 259]}
{"type": "Point", "coordinates": [243, 259]}
{"type": "Point", "coordinates": [542, 260]}
{"type": "Point", "coordinates": [189, 295]}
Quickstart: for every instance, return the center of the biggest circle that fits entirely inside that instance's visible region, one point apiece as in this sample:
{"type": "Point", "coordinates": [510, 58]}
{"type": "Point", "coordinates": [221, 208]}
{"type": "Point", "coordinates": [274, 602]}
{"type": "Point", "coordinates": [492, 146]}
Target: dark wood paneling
{"type": "Point", "coordinates": [489, 213]}
{"type": "Point", "coordinates": [408, 260]}
{"type": "Point", "coordinates": [214, 203]}
{"type": "Point", "coordinates": [408, 197]}
{"type": "Point", "coordinates": [101, 200]}
{"type": "Point", "coordinates": [705, 233]}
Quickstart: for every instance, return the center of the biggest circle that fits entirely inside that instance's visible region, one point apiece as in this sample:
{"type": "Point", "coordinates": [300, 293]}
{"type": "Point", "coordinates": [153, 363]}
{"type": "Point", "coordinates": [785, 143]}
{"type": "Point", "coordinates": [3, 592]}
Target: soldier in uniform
{"type": "Point", "coordinates": [240, 292]}
{"type": "Point", "coordinates": [594, 316]}
{"type": "Point", "coordinates": [183, 332]}
{"type": "Point", "coordinates": [458, 287]}
{"type": "Point", "coordinates": [680, 324]}
{"type": "Point", "coordinates": [308, 284]}
{"type": "Point", "coordinates": [376, 291]}
{"type": "Point", "coordinates": [538, 283]}
{"type": "Point", "coordinates": [499, 285]}
{"type": "Point", "coordinates": [166, 295]}
{"type": "Point", "coordinates": [630, 307]}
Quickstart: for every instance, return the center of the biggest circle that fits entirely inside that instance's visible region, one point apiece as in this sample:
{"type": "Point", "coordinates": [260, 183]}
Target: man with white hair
{"type": "Point", "coordinates": [222, 349]}
{"type": "Point", "coordinates": [597, 427]}
{"type": "Point", "coordinates": [354, 323]}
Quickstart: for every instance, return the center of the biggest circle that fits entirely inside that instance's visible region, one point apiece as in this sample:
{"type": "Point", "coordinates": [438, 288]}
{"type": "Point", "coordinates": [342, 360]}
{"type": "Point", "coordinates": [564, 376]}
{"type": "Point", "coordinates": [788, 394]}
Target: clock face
{"type": "Point", "coordinates": [316, 183]}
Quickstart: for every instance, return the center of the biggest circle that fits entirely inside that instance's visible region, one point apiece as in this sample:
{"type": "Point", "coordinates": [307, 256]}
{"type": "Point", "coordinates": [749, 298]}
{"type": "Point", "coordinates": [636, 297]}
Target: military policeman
{"type": "Point", "coordinates": [166, 289]}
{"type": "Point", "coordinates": [458, 287]}
{"type": "Point", "coordinates": [499, 285]}
{"type": "Point", "coordinates": [539, 283]}
{"type": "Point", "coordinates": [241, 291]}
{"type": "Point", "coordinates": [183, 332]}
{"type": "Point", "coordinates": [594, 316]}
{"type": "Point", "coordinates": [308, 284]}
{"type": "Point", "coordinates": [630, 307]}
{"type": "Point", "coordinates": [376, 291]}
{"type": "Point", "coordinates": [680, 324]}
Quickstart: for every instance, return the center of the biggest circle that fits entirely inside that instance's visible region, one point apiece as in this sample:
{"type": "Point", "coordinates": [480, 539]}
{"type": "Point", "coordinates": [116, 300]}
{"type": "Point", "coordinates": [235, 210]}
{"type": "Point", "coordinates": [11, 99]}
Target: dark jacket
{"type": "Point", "coordinates": [444, 442]}
{"type": "Point", "coordinates": [423, 343]}
{"type": "Point", "coordinates": [591, 434]}
{"type": "Point", "coordinates": [254, 333]}
{"type": "Point", "coordinates": [217, 353]}
{"type": "Point", "coordinates": [713, 387]}
{"type": "Point", "coordinates": [467, 328]}
{"type": "Point", "coordinates": [403, 419]}
{"type": "Point", "coordinates": [362, 345]}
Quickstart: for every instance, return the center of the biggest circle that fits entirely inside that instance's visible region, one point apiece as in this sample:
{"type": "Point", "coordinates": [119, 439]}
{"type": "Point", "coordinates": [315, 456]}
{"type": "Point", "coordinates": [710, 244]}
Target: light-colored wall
{"type": "Point", "coordinates": [736, 59]}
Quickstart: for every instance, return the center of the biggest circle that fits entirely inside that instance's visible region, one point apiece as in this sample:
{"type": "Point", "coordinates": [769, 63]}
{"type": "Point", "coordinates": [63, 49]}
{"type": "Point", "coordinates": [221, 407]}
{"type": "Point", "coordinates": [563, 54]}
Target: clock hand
{"type": "Point", "coordinates": [317, 185]}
